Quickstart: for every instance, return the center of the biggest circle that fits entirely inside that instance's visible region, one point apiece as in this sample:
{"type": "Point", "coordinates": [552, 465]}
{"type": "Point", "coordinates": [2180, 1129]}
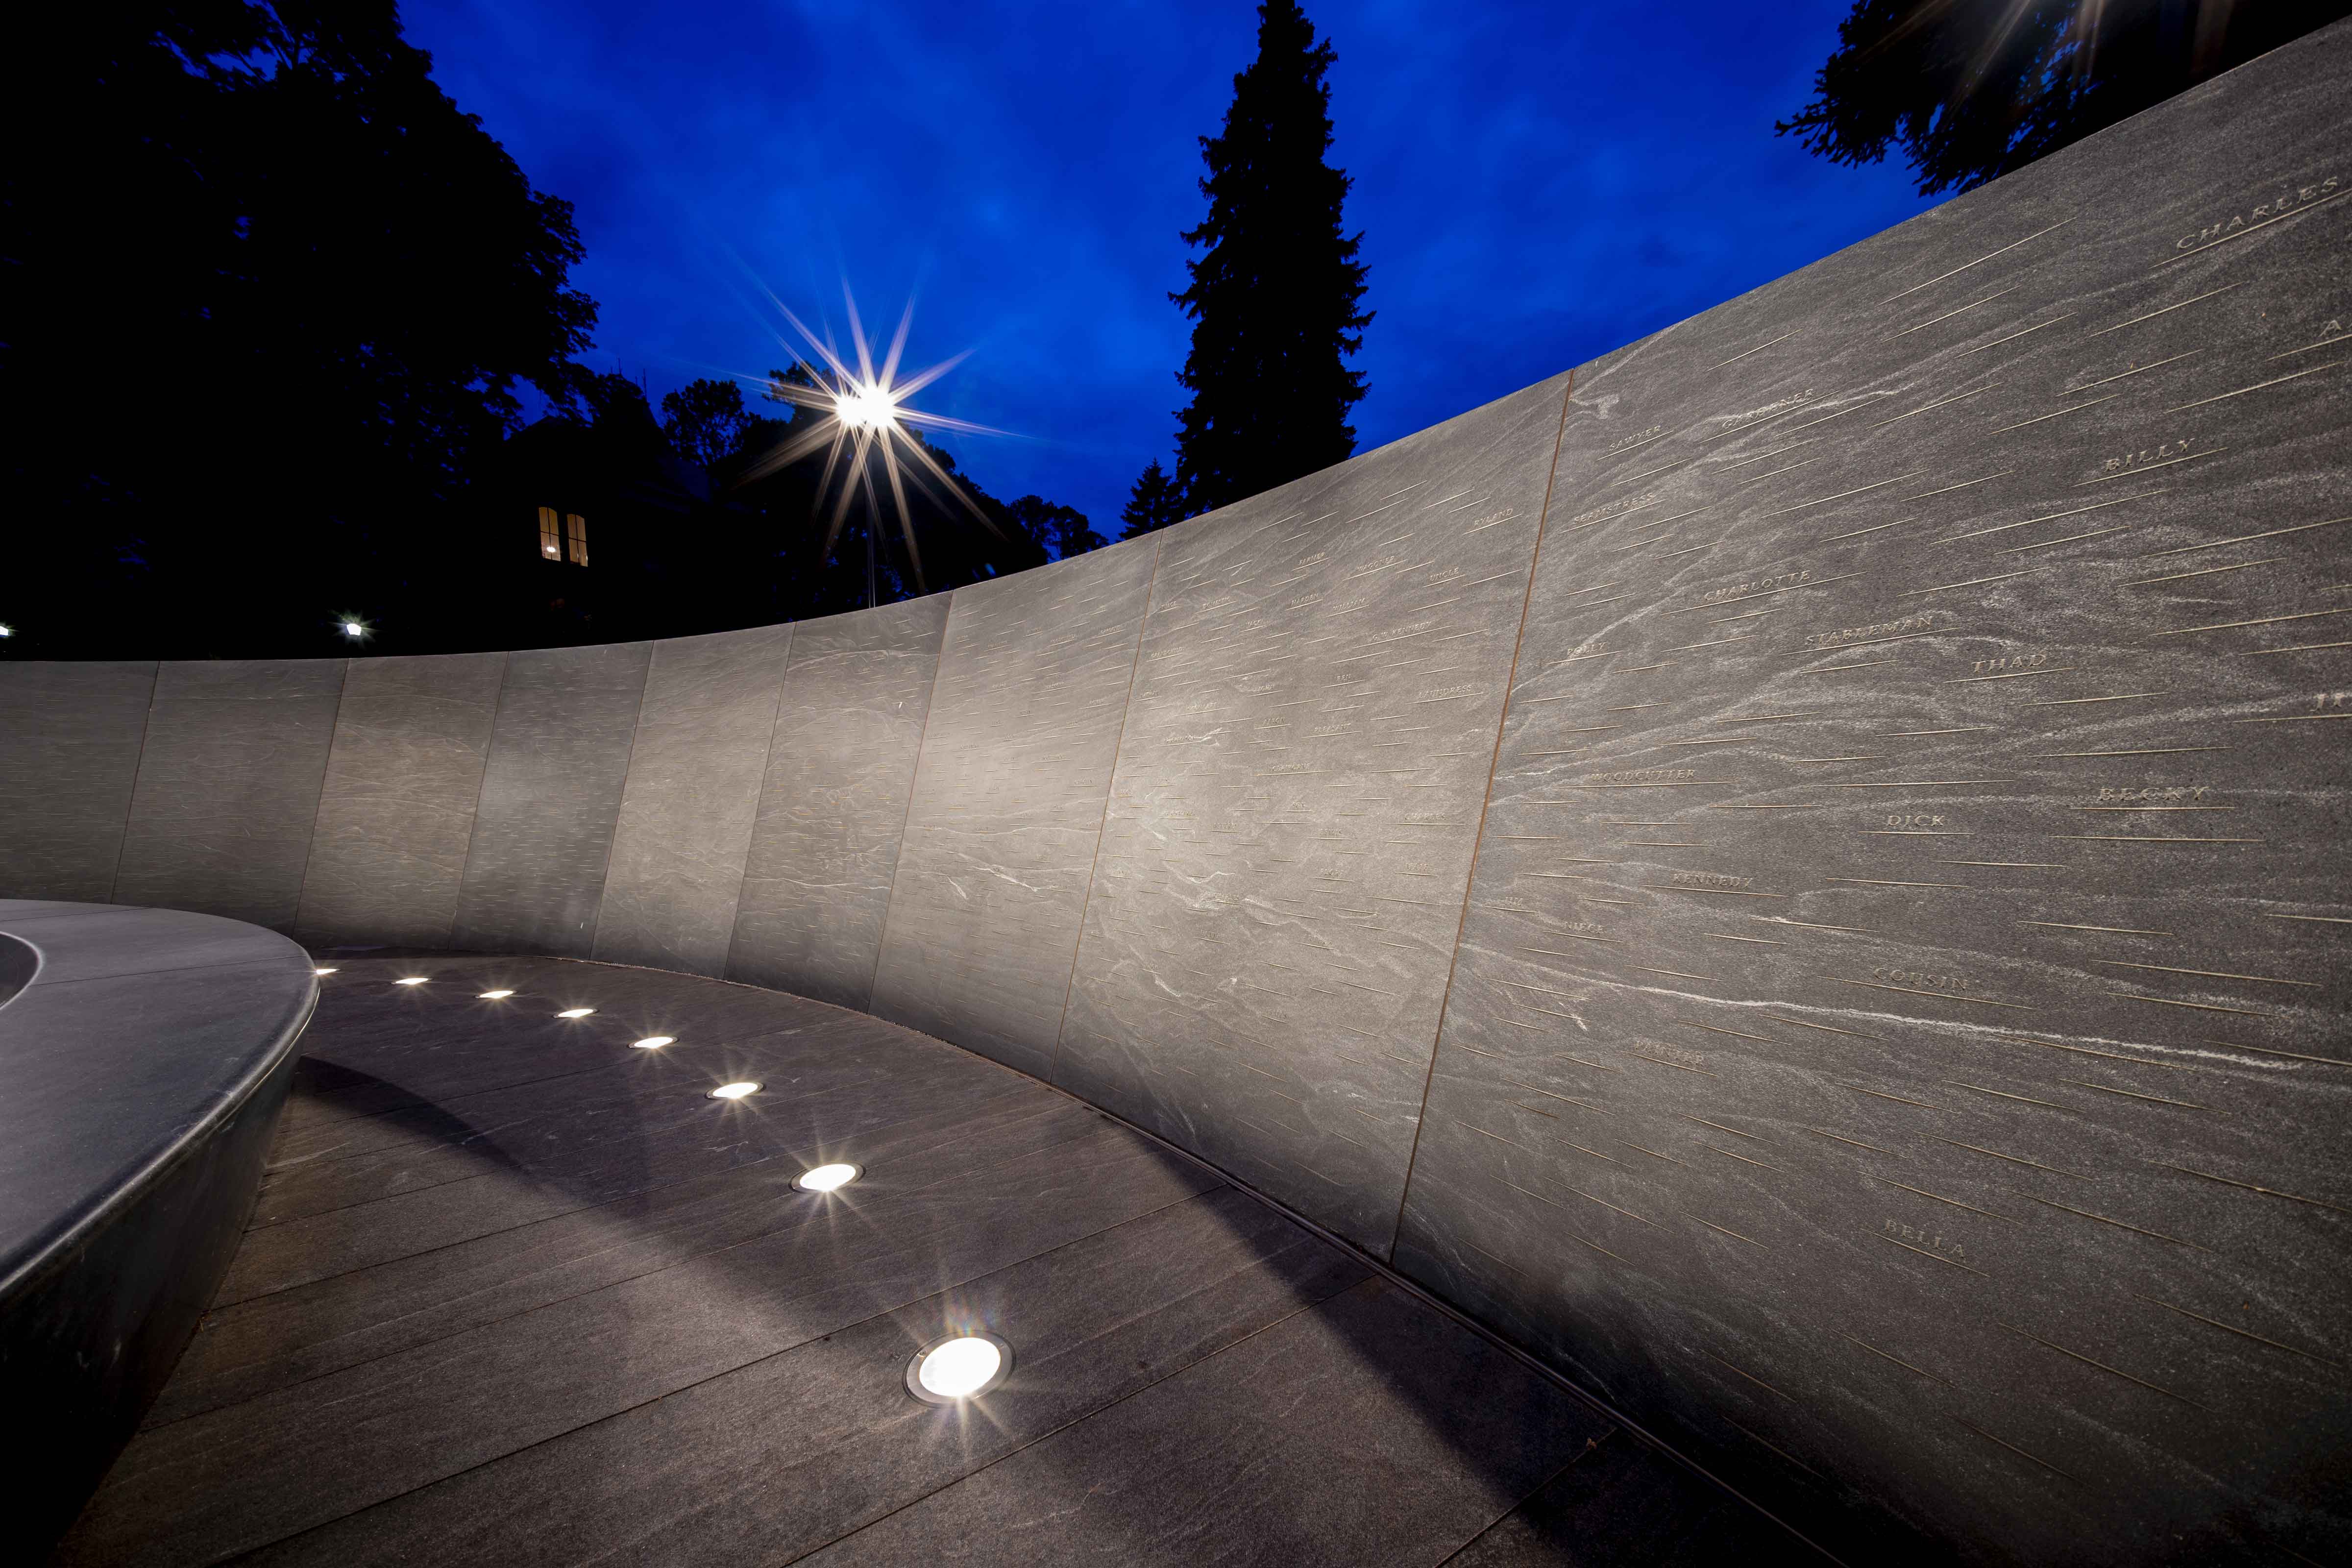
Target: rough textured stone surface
{"type": "Point", "coordinates": [1799, 871]}
{"type": "Point", "coordinates": [229, 775]}
{"type": "Point", "coordinates": [841, 774]}
{"type": "Point", "coordinates": [1008, 802]}
{"type": "Point", "coordinates": [72, 738]}
{"type": "Point", "coordinates": [551, 794]}
{"type": "Point", "coordinates": [396, 814]}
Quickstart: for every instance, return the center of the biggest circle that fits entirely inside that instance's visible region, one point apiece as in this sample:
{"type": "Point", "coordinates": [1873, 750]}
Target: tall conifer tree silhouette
{"type": "Point", "coordinates": [1153, 504]}
{"type": "Point", "coordinates": [1275, 293]}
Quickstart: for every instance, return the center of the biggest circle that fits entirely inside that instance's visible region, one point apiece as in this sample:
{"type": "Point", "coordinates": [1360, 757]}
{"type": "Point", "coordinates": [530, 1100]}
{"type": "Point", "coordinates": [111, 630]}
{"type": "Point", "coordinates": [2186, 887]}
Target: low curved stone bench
{"type": "Point", "coordinates": [144, 1056]}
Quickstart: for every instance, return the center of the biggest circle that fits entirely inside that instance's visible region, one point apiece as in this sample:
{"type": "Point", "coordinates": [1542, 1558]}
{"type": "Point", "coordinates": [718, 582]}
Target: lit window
{"type": "Point", "coordinates": [575, 527]}
{"type": "Point", "coordinates": [551, 543]}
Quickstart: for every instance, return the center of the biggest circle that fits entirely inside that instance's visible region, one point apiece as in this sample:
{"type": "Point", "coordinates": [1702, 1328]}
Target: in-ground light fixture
{"type": "Point", "coordinates": [952, 1370]}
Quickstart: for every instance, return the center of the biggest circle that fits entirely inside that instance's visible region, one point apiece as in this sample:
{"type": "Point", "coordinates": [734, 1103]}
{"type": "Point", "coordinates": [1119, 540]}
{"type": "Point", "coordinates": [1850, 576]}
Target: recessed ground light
{"type": "Point", "coordinates": [322, 971]}
{"type": "Point", "coordinates": [734, 1090]}
{"type": "Point", "coordinates": [496, 996]}
{"type": "Point", "coordinates": [412, 980]}
{"type": "Point", "coordinates": [827, 1178]}
{"type": "Point", "coordinates": [956, 1369]}
{"type": "Point", "coordinates": [655, 1042]}
{"type": "Point", "coordinates": [575, 1012]}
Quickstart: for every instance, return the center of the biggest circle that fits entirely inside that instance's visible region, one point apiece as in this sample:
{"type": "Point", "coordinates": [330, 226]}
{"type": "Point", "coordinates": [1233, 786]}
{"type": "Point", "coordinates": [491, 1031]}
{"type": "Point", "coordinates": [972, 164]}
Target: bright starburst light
{"type": "Point", "coordinates": [868, 427]}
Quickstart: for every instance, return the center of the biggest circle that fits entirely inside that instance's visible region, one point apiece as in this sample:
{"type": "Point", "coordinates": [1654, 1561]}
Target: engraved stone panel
{"type": "Point", "coordinates": [1008, 804]}
{"type": "Point", "coordinates": [1898, 1030]}
{"type": "Point", "coordinates": [841, 772]}
{"type": "Point", "coordinates": [70, 754]}
{"type": "Point", "coordinates": [228, 787]}
{"type": "Point", "coordinates": [1306, 753]}
{"type": "Point", "coordinates": [551, 795]}
{"type": "Point", "coordinates": [694, 788]}
{"type": "Point", "coordinates": [397, 810]}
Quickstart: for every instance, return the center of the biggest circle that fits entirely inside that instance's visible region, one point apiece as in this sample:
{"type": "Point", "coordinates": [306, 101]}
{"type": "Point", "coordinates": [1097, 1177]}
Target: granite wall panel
{"type": "Point", "coordinates": [396, 814]}
{"type": "Point", "coordinates": [1008, 804]}
{"type": "Point", "coordinates": [693, 792]}
{"type": "Point", "coordinates": [229, 775]}
{"type": "Point", "coordinates": [551, 794]}
{"type": "Point", "coordinates": [841, 774]}
{"type": "Point", "coordinates": [1899, 1034]}
{"type": "Point", "coordinates": [1299, 789]}
{"type": "Point", "coordinates": [70, 754]}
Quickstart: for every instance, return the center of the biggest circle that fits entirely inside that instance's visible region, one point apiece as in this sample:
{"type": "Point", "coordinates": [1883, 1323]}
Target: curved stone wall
{"type": "Point", "coordinates": [1797, 870]}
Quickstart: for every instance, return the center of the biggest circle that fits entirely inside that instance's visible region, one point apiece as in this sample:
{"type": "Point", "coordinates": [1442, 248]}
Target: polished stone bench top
{"type": "Point", "coordinates": [124, 1035]}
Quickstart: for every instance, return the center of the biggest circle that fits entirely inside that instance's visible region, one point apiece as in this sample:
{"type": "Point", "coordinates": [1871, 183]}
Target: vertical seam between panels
{"type": "Point", "coordinates": [137, 766]}
{"type": "Point", "coordinates": [319, 806]}
{"type": "Point", "coordinates": [1142, 624]}
{"type": "Point", "coordinates": [1502, 722]}
{"type": "Point", "coordinates": [914, 783]}
{"type": "Point", "coordinates": [481, 788]}
{"type": "Point", "coordinates": [605, 886]}
{"type": "Point", "coordinates": [759, 798]}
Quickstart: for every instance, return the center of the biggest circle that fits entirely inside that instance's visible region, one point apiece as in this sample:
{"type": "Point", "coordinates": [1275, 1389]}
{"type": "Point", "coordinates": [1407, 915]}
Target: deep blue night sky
{"type": "Point", "coordinates": [1536, 182]}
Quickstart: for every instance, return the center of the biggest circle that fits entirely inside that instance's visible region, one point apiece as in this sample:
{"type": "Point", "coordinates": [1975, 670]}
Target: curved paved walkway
{"type": "Point", "coordinates": [518, 1292]}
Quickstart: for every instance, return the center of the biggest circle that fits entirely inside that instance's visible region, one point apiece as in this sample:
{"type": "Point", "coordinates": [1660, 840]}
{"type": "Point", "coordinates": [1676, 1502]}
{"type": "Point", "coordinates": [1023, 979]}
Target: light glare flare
{"type": "Point", "coordinates": [872, 428]}
{"type": "Point", "coordinates": [734, 1090]}
{"type": "Point", "coordinates": [412, 980]}
{"type": "Point", "coordinates": [575, 1012]}
{"type": "Point", "coordinates": [826, 1178]}
{"type": "Point", "coordinates": [865, 406]}
{"type": "Point", "coordinates": [655, 1042]}
{"type": "Point", "coordinates": [496, 996]}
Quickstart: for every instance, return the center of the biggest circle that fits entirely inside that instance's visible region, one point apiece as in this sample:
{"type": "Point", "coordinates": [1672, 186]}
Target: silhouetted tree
{"type": "Point", "coordinates": [705, 420]}
{"type": "Point", "coordinates": [614, 407]}
{"type": "Point", "coordinates": [327, 287]}
{"type": "Point", "coordinates": [1153, 504]}
{"type": "Point", "coordinates": [1970, 92]}
{"type": "Point", "coordinates": [1059, 531]}
{"type": "Point", "coordinates": [1275, 294]}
